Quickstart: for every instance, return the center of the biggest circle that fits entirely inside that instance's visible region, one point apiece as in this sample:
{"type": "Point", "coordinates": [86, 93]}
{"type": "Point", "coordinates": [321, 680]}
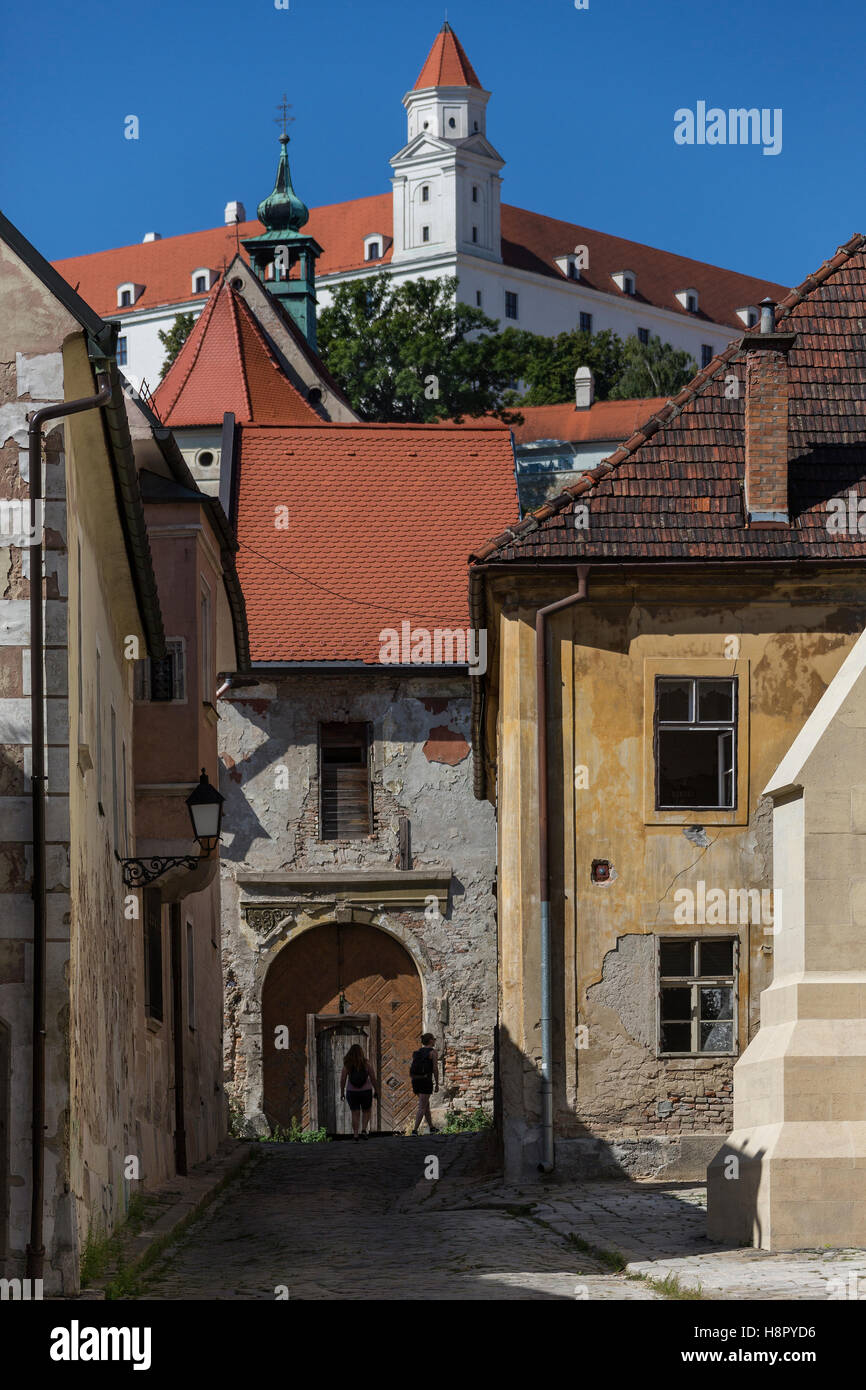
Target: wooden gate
{"type": "Point", "coordinates": [339, 971]}
{"type": "Point", "coordinates": [329, 1038]}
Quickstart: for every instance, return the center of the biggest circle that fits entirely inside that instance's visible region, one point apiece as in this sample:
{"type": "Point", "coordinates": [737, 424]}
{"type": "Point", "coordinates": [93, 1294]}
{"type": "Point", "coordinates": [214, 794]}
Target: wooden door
{"type": "Point", "coordinates": [362, 971]}
{"type": "Point", "coordinates": [329, 1040]}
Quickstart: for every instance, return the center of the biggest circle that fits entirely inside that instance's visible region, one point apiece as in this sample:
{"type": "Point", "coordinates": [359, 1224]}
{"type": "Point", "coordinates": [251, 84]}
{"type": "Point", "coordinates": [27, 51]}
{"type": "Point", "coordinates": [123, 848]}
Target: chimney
{"type": "Point", "coordinates": [235, 212]}
{"type": "Point", "coordinates": [152, 236]}
{"type": "Point", "coordinates": [766, 436]}
{"type": "Point", "coordinates": [584, 388]}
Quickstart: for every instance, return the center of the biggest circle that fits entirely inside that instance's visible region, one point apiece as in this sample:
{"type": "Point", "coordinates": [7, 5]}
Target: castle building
{"type": "Point", "coordinates": [443, 217]}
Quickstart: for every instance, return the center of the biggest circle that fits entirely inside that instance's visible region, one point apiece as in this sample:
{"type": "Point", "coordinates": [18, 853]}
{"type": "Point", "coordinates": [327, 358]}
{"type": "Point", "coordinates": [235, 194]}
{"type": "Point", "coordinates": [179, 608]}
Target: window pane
{"type": "Point", "coordinates": [677, 1004]}
{"type": "Point", "coordinates": [688, 768]}
{"type": "Point", "coordinates": [674, 701]}
{"type": "Point", "coordinates": [715, 701]}
{"type": "Point", "coordinates": [677, 1037]}
{"type": "Point", "coordinates": [717, 957]}
{"type": "Point", "coordinates": [717, 1037]}
{"type": "Point", "coordinates": [717, 1002]}
{"type": "Point", "coordinates": [675, 957]}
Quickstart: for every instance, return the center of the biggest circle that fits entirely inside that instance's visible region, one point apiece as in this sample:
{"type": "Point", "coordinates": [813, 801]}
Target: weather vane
{"type": "Point", "coordinates": [284, 119]}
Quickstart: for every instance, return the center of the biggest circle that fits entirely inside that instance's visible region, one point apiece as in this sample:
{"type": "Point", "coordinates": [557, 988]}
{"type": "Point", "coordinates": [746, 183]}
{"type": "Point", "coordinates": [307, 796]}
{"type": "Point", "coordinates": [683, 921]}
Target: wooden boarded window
{"type": "Point", "coordinates": [345, 791]}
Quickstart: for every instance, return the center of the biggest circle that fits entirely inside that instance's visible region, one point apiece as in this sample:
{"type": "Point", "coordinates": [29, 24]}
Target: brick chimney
{"type": "Point", "coordinates": [767, 421]}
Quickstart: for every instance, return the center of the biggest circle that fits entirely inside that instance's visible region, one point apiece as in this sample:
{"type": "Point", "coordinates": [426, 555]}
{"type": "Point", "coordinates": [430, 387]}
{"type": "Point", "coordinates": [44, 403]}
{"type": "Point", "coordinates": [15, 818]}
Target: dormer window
{"type": "Point", "coordinates": [689, 300]}
{"type": "Point", "coordinates": [375, 246]}
{"type": "Point", "coordinates": [624, 280]}
{"type": "Point", "coordinates": [202, 279]}
{"type": "Point", "coordinates": [127, 294]}
{"type": "Point", "coordinates": [748, 315]}
{"type": "Point", "coordinates": [569, 266]}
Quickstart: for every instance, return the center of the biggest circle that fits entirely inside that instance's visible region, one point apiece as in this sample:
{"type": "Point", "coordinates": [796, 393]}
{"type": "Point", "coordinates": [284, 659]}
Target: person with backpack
{"type": "Point", "coordinates": [358, 1086]}
{"type": "Point", "coordinates": [424, 1075]}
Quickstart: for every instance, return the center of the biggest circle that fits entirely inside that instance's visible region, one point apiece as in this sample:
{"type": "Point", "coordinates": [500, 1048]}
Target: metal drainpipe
{"type": "Point", "coordinates": [547, 1156]}
{"type": "Point", "coordinates": [35, 1248]}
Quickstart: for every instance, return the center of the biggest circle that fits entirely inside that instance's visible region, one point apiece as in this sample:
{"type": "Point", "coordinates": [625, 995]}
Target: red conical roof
{"type": "Point", "coordinates": [225, 364]}
{"type": "Point", "coordinates": [447, 64]}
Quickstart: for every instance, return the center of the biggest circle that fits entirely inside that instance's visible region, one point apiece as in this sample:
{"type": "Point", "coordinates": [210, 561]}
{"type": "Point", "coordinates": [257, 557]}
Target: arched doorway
{"type": "Point", "coordinates": [331, 986]}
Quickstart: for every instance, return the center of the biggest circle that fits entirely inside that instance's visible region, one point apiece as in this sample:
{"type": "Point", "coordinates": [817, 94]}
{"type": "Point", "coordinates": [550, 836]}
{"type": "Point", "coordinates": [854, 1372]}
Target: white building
{"type": "Point", "coordinates": [444, 217]}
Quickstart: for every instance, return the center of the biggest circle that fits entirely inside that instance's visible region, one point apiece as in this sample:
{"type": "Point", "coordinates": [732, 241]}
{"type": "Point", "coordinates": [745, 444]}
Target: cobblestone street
{"type": "Point", "coordinates": [354, 1221]}
{"type": "Point", "coordinates": [362, 1221]}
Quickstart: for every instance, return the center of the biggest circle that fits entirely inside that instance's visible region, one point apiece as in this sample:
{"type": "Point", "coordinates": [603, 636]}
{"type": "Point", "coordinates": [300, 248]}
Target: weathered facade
{"type": "Point", "coordinates": [111, 1067]}
{"type": "Point", "coordinates": [359, 873]}
{"type": "Point", "coordinates": [281, 881]}
{"type": "Point", "coordinates": [707, 606]}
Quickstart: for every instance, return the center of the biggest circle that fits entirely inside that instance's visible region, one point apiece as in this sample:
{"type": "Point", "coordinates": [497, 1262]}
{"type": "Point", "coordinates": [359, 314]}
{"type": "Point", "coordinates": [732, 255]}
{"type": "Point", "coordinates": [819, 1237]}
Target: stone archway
{"type": "Point", "coordinates": [341, 968]}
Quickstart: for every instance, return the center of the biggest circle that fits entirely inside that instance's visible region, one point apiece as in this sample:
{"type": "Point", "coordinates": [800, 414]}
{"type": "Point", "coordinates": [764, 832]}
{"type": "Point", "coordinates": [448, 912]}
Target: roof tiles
{"type": "Point", "coordinates": [381, 520]}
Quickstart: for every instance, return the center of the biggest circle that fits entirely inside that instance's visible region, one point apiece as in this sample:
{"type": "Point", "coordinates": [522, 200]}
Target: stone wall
{"type": "Point", "coordinates": [421, 769]}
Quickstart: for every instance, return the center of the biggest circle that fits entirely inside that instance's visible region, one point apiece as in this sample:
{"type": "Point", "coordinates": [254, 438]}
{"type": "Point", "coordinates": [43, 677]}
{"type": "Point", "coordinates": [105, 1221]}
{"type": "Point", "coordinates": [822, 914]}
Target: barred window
{"type": "Point", "coordinates": [164, 679]}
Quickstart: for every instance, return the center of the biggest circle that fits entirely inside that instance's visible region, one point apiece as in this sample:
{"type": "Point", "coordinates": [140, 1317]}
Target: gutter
{"type": "Point", "coordinates": [547, 1152]}
{"type": "Point", "coordinates": [36, 1246]}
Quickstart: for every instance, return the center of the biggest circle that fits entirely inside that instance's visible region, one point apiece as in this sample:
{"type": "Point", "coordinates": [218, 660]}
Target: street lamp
{"type": "Point", "coordinates": [205, 806]}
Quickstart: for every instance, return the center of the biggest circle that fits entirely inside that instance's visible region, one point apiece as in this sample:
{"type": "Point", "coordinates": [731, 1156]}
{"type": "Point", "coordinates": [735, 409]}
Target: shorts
{"type": "Point", "coordinates": [422, 1085]}
{"type": "Point", "coordinates": [360, 1100]}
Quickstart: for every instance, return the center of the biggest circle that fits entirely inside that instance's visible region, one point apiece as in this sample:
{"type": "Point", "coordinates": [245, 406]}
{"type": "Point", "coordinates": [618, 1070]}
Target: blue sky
{"type": "Point", "coordinates": [582, 111]}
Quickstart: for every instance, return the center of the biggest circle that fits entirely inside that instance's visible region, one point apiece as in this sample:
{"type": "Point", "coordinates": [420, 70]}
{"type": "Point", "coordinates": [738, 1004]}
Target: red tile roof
{"type": "Point", "coordinates": [603, 420]}
{"type": "Point", "coordinates": [447, 64]}
{"type": "Point", "coordinates": [674, 489]}
{"type": "Point", "coordinates": [381, 519]}
{"type": "Point", "coordinates": [225, 364]}
{"type": "Point", "coordinates": [530, 241]}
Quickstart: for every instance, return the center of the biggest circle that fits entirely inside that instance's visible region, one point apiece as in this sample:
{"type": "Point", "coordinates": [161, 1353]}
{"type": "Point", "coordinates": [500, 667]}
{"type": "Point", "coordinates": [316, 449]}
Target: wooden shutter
{"type": "Point", "coordinates": [344, 781]}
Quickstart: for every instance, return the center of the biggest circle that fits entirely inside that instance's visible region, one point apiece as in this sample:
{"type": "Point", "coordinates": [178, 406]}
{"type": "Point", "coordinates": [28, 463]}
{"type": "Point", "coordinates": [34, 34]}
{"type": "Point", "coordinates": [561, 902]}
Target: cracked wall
{"type": "Point", "coordinates": [421, 769]}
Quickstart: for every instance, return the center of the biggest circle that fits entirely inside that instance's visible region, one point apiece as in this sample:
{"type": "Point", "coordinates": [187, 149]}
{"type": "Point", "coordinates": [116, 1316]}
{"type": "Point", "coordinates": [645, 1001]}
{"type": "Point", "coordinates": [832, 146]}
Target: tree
{"type": "Point", "coordinates": [652, 369]}
{"type": "Point", "coordinates": [174, 338]}
{"type": "Point", "coordinates": [551, 363]}
{"type": "Point", "coordinates": [413, 351]}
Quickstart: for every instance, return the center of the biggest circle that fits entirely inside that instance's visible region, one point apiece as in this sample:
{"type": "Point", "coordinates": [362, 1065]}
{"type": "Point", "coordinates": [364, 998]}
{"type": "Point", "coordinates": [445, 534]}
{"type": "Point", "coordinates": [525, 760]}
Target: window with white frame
{"type": "Point", "coordinates": [128, 293]}
{"type": "Point", "coordinates": [121, 352]}
{"type": "Point", "coordinates": [202, 279]}
{"type": "Point", "coordinates": [697, 995]}
{"type": "Point", "coordinates": [695, 743]}
{"type": "Point", "coordinates": [163, 680]}
{"type": "Point", "coordinates": [511, 304]}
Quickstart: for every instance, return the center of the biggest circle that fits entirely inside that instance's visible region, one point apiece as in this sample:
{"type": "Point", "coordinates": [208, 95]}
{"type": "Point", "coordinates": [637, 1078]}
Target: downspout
{"type": "Point", "coordinates": [541, 617]}
{"type": "Point", "coordinates": [36, 1248]}
{"type": "Point", "coordinates": [178, 1020]}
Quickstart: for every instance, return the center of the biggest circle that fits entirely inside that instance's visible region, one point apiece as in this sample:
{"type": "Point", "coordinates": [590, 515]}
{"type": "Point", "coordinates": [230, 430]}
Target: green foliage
{"type": "Point", "coordinates": [295, 1134]}
{"type": "Point", "coordinates": [549, 368]}
{"type": "Point", "coordinates": [652, 369]}
{"type": "Point", "coordinates": [467, 1121]}
{"type": "Point", "coordinates": [414, 352]}
{"type": "Point", "coordinates": [174, 338]}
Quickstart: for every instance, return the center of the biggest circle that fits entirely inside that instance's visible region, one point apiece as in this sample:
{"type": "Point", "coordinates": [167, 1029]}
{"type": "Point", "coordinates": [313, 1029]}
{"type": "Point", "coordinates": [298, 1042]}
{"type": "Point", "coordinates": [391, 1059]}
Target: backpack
{"type": "Point", "coordinates": [422, 1064]}
{"type": "Point", "coordinates": [358, 1077]}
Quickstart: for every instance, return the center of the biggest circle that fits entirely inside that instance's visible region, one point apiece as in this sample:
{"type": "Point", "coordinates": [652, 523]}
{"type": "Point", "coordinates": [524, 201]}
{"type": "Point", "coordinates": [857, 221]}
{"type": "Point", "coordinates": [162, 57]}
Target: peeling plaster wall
{"type": "Point", "coordinates": [791, 634]}
{"type": "Point", "coordinates": [421, 768]}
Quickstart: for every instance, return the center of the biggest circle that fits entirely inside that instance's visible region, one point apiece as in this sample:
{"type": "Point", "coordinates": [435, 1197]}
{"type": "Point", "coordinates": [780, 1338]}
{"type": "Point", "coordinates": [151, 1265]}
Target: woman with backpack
{"type": "Point", "coordinates": [358, 1086]}
{"type": "Point", "coordinates": [424, 1075]}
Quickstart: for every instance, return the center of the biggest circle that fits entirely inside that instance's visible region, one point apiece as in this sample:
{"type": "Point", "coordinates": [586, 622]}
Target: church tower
{"type": "Point", "coordinates": [283, 258]}
{"type": "Point", "coordinates": [446, 178]}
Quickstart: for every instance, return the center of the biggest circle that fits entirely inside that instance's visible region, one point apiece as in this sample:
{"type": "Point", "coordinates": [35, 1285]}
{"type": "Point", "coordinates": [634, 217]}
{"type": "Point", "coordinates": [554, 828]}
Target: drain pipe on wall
{"type": "Point", "coordinates": [36, 1248]}
{"type": "Point", "coordinates": [541, 617]}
